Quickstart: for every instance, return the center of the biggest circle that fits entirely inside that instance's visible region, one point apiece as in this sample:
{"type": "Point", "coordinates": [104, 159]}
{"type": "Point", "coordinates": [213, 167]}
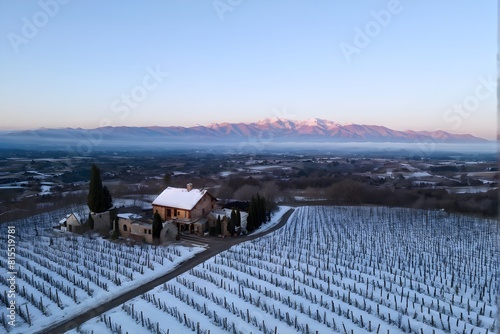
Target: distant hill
{"type": "Point", "coordinates": [269, 129]}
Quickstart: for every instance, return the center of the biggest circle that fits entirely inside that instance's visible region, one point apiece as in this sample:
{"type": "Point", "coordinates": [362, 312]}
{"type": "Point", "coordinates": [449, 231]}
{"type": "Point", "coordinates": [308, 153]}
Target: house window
{"type": "Point", "coordinates": [125, 228]}
{"type": "Point", "coordinates": [169, 213]}
{"type": "Point", "coordinates": [175, 212]}
{"type": "Point", "coordinates": [149, 231]}
{"type": "Point", "coordinates": [145, 231]}
{"type": "Point", "coordinates": [203, 211]}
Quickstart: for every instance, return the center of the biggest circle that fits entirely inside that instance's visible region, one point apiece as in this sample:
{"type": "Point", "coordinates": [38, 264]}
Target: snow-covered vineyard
{"type": "Point", "coordinates": [60, 275]}
{"type": "Point", "coordinates": [333, 270]}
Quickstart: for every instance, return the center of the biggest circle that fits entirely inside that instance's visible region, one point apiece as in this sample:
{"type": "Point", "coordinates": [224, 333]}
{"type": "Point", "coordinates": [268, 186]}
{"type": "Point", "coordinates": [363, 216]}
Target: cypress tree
{"type": "Point", "coordinates": [99, 198]}
{"type": "Point", "coordinates": [256, 210]}
{"type": "Point", "coordinates": [91, 221]}
{"type": "Point", "coordinates": [157, 225]}
{"type": "Point", "coordinates": [95, 197]}
{"type": "Point", "coordinates": [218, 227]}
{"type": "Point", "coordinates": [108, 200]}
{"type": "Point", "coordinates": [251, 222]}
{"type": "Point", "coordinates": [257, 213]}
{"type": "Point", "coordinates": [234, 218]}
{"type": "Point", "coordinates": [231, 224]}
{"type": "Point", "coordinates": [260, 210]}
{"type": "Point", "coordinates": [116, 230]}
{"type": "Point", "coordinates": [238, 218]}
{"type": "Point", "coordinates": [262, 205]}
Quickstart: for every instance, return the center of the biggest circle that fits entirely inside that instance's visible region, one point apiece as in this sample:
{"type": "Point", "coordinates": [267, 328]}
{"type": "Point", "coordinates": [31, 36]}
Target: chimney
{"type": "Point", "coordinates": [189, 187]}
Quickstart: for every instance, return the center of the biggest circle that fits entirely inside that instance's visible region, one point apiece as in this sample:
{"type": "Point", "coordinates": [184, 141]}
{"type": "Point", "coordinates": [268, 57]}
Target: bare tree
{"type": "Point", "coordinates": [246, 192]}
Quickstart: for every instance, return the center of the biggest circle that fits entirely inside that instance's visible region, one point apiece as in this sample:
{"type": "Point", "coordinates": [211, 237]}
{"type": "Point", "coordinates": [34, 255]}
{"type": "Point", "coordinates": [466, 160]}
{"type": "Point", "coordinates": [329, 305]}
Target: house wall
{"type": "Point", "coordinates": [203, 207]}
{"type": "Point", "coordinates": [200, 228]}
{"type": "Point", "coordinates": [72, 221]}
{"type": "Point", "coordinates": [73, 225]}
{"type": "Point", "coordinates": [163, 210]}
{"type": "Point", "coordinates": [224, 228]}
{"type": "Point", "coordinates": [212, 222]}
{"type": "Point", "coordinates": [102, 221]}
{"type": "Point", "coordinates": [122, 222]}
{"type": "Point", "coordinates": [75, 228]}
{"type": "Point", "coordinates": [145, 231]}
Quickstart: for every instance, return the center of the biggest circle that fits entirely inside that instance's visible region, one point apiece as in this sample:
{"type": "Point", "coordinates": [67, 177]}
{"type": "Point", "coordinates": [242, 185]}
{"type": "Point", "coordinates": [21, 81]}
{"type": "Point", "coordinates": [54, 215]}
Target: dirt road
{"type": "Point", "coordinates": [216, 246]}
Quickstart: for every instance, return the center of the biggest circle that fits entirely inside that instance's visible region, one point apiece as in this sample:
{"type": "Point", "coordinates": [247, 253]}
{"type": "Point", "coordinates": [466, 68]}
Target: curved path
{"type": "Point", "coordinates": [216, 246]}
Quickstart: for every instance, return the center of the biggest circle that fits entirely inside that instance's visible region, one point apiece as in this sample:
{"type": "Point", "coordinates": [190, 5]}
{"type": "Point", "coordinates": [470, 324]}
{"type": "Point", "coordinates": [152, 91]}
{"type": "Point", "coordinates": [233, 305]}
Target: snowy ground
{"type": "Point", "coordinates": [63, 274]}
{"type": "Point", "coordinates": [333, 270]}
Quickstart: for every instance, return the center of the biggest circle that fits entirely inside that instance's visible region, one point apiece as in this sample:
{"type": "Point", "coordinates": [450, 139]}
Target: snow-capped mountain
{"type": "Point", "coordinates": [275, 129]}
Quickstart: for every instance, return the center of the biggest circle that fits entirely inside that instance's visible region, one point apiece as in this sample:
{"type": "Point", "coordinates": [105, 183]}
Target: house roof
{"type": "Point", "coordinates": [128, 216]}
{"type": "Point", "coordinates": [227, 212]}
{"type": "Point", "coordinates": [180, 198]}
{"type": "Point", "coordinates": [139, 223]}
{"type": "Point", "coordinates": [76, 215]}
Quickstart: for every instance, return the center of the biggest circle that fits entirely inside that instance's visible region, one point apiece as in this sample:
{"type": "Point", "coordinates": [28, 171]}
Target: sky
{"type": "Point", "coordinates": [420, 65]}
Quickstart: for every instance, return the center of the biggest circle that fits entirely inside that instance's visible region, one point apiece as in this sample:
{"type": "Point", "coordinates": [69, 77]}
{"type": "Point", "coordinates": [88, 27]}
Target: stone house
{"type": "Point", "coordinates": [179, 203]}
{"type": "Point", "coordinates": [72, 223]}
{"type": "Point", "coordinates": [185, 207]}
{"type": "Point", "coordinates": [129, 226]}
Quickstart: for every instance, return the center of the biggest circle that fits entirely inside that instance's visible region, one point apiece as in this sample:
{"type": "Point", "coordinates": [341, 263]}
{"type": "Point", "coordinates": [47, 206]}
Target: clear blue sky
{"type": "Point", "coordinates": [230, 60]}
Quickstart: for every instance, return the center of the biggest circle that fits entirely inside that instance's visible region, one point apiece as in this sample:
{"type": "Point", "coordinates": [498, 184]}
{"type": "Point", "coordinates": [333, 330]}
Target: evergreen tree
{"type": "Point", "coordinates": [218, 226]}
{"type": "Point", "coordinates": [157, 225]}
{"type": "Point", "coordinates": [91, 221]}
{"type": "Point", "coordinates": [99, 198]}
{"type": "Point", "coordinates": [251, 225]}
{"type": "Point", "coordinates": [116, 229]}
{"type": "Point", "coordinates": [231, 223]}
{"type": "Point", "coordinates": [263, 209]}
{"type": "Point", "coordinates": [234, 217]}
{"type": "Point", "coordinates": [108, 200]}
{"type": "Point", "coordinates": [238, 218]}
{"type": "Point", "coordinates": [95, 197]}
{"type": "Point", "coordinates": [256, 212]}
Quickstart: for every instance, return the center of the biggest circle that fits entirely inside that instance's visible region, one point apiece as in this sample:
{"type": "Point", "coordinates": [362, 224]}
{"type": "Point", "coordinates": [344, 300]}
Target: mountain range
{"type": "Point", "coordinates": [269, 129]}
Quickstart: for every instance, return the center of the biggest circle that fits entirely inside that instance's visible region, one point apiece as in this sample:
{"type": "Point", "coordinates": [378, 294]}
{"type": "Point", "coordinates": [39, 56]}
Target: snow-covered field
{"type": "Point", "coordinates": [63, 274]}
{"type": "Point", "coordinates": [333, 270]}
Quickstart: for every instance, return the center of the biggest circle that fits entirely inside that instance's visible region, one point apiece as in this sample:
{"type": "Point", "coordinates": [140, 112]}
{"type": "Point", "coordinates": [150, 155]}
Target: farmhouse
{"type": "Point", "coordinates": [186, 207]}
{"type": "Point", "coordinates": [72, 223]}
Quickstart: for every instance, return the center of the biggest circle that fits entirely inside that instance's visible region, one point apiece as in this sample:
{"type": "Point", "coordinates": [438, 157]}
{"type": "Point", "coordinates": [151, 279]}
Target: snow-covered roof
{"type": "Point", "coordinates": [221, 213]}
{"type": "Point", "coordinates": [128, 216]}
{"type": "Point", "coordinates": [76, 215]}
{"type": "Point", "coordinates": [179, 198]}
{"type": "Point", "coordinates": [227, 212]}
{"type": "Point", "coordinates": [138, 223]}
